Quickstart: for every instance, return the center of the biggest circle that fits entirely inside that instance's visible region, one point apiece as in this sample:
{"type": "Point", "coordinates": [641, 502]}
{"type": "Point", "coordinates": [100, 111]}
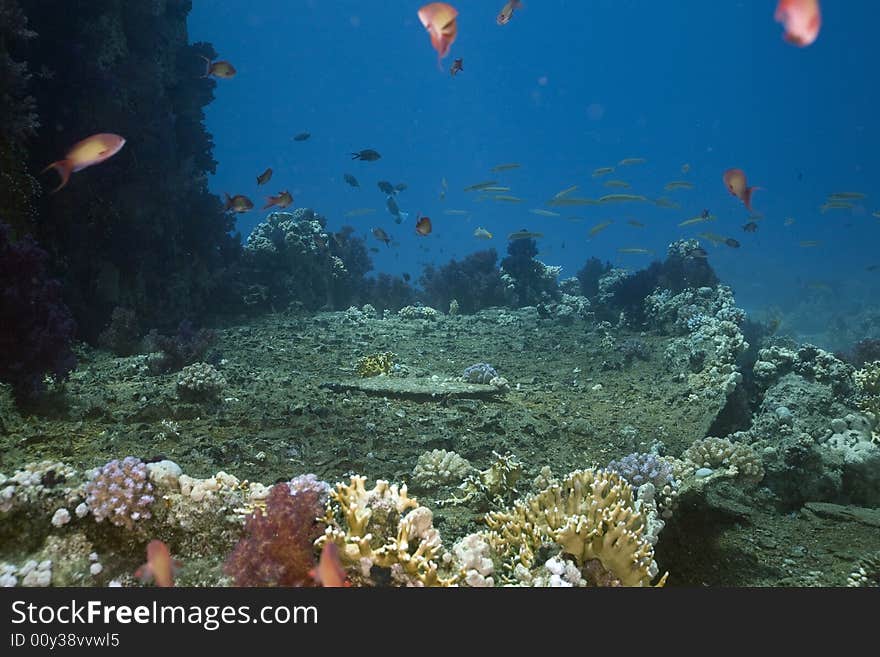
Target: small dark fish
{"type": "Point", "coordinates": [750, 227]}
{"type": "Point", "coordinates": [732, 243]}
{"type": "Point", "coordinates": [400, 187]}
{"type": "Point", "coordinates": [385, 187]}
{"type": "Point", "coordinates": [264, 177]}
{"type": "Point", "coordinates": [457, 65]}
{"type": "Point", "coordinates": [367, 155]}
{"type": "Point", "coordinates": [872, 267]}
{"type": "Point", "coordinates": [351, 180]}
{"type": "Point", "coordinates": [393, 208]}
{"type": "Point", "coordinates": [373, 249]}
{"type": "Point", "coordinates": [302, 136]}
{"type": "Point", "coordinates": [382, 236]}
{"type": "Point", "coordinates": [705, 214]}
{"type": "Point", "coordinates": [406, 277]}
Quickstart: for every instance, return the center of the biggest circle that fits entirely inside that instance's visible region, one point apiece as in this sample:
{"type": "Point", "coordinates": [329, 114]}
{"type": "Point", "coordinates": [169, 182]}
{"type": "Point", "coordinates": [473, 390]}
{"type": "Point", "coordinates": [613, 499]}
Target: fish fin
{"type": "Point", "coordinates": [747, 197]}
{"type": "Point", "coordinates": [144, 573]}
{"type": "Point", "coordinates": [64, 169]}
{"type": "Point", "coordinates": [355, 156]}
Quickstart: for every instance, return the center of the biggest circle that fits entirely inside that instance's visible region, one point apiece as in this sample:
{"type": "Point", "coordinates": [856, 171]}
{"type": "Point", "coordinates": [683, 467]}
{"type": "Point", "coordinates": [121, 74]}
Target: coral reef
{"type": "Point", "coordinates": [200, 382]}
{"type": "Point", "coordinates": [37, 327]}
{"type": "Point", "coordinates": [418, 312]}
{"type": "Point", "coordinates": [121, 492]}
{"type": "Point", "coordinates": [588, 276]}
{"type": "Point", "coordinates": [375, 364]}
{"type": "Point", "coordinates": [439, 468]}
{"type": "Point", "coordinates": [277, 549]}
{"type": "Point", "coordinates": [712, 342]}
{"type": "Point", "coordinates": [474, 283]}
{"type": "Point", "coordinates": [685, 268]}
{"type": "Point", "coordinates": [294, 257]}
{"type": "Point", "coordinates": [385, 291]}
{"type": "Point", "coordinates": [122, 336]}
{"type": "Point", "coordinates": [590, 515]}
{"type": "Point", "coordinates": [528, 281]}
{"type": "Point", "coordinates": [171, 353]}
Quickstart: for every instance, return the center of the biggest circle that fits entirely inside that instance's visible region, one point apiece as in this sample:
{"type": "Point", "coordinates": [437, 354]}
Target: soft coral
{"type": "Point", "coordinates": [278, 549]}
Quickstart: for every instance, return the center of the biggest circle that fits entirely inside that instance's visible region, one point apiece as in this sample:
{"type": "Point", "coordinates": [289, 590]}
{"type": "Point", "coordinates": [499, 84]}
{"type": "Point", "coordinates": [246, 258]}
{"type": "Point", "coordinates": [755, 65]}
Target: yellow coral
{"type": "Point", "coordinates": [591, 515]}
{"type": "Point", "coordinates": [375, 364]}
{"type": "Point", "coordinates": [384, 527]}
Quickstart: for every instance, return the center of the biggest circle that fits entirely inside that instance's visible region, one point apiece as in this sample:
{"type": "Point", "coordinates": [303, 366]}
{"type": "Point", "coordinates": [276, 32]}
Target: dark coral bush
{"type": "Point", "coordinates": [36, 327]}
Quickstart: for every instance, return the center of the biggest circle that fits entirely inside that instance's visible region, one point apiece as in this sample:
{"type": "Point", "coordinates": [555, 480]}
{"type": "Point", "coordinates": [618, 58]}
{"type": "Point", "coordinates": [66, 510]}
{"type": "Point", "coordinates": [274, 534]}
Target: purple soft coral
{"type": "Point", "coordinates": [36, 327]}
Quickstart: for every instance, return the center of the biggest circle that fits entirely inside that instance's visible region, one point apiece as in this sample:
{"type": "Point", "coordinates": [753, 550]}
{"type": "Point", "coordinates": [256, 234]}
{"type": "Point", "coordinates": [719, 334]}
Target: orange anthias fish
{"type": "Point", "coordinates": [264, 177]}
{"type": "Point", "coordinates": [238, 203]}
{"type": "Point", "coordinates": [329, 572]}
{"type": "Point", "coordinates": [219, 69]}
{"type": "Point", "coordinates": [439, 19]}
{"type": "Point", "coordinates": [282, 200]}
{"type": "Point", "coordinates": [507, 12]}
{"type": "Point", "coordinates": [160, 567]}
{"type": "Point", "coordinates": [457, 65]}
{"type": "Point", "coordinates": [802, 20]}
{"type": "Point", "coordinates": [735, 179]}
{"type": "Point", "coordinates": [89, 151]}
{"type": "Point", "coordinates": [423, 226]}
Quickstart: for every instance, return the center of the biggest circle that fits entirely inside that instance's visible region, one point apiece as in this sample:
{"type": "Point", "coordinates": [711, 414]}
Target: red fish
{"type": "Point", "coordinates": [329, 572]}
{"type": "Point", "coordinates": [423, 225]}
{"type": "Point", "coordinates": [219, 69]}
{"type": "Point", "coordinates": [88, 152]}
{"type": "Point", "coordinates": [238, 203]}
{"type": "Point", "coordinates": [282, 200]}
{"type": "Point", "coordinates": [507, 12]}
{"type": "Point", "coordinates": [802, 20]}
{"type": "Point", "coordinates": [439, 19]}
{"type": "Point", "coordinates": [735, 179]}
{"type": "Point", "coordinates": [160, 567]}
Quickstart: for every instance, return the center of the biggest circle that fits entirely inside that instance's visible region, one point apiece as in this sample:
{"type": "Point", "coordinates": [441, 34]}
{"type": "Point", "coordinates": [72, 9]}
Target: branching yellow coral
{"type": "Point", "coordinates": [375, 364]}
{"type": "Point", "coordinates": [591, 515]}
{"type": "Point", "coordinates": [384, 527]}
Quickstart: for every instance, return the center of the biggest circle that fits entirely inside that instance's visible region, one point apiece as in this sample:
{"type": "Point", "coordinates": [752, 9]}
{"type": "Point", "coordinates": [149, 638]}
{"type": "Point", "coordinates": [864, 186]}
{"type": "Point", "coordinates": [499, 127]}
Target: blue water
{"type": "Point", "coordinates": [564, 88]}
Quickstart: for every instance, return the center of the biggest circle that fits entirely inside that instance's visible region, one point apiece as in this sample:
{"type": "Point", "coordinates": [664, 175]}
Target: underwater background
{"type": "Point", "coordinates": [297, 301]}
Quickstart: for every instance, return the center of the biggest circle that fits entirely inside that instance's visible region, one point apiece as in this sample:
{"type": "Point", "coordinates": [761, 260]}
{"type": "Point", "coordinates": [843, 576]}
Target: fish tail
{"type": "Point", "coordinates": [747, 197]}
{"type": "Point", "coordinates": [270, 203]}
{"type": "Point", "coordinates": [64, 169]}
